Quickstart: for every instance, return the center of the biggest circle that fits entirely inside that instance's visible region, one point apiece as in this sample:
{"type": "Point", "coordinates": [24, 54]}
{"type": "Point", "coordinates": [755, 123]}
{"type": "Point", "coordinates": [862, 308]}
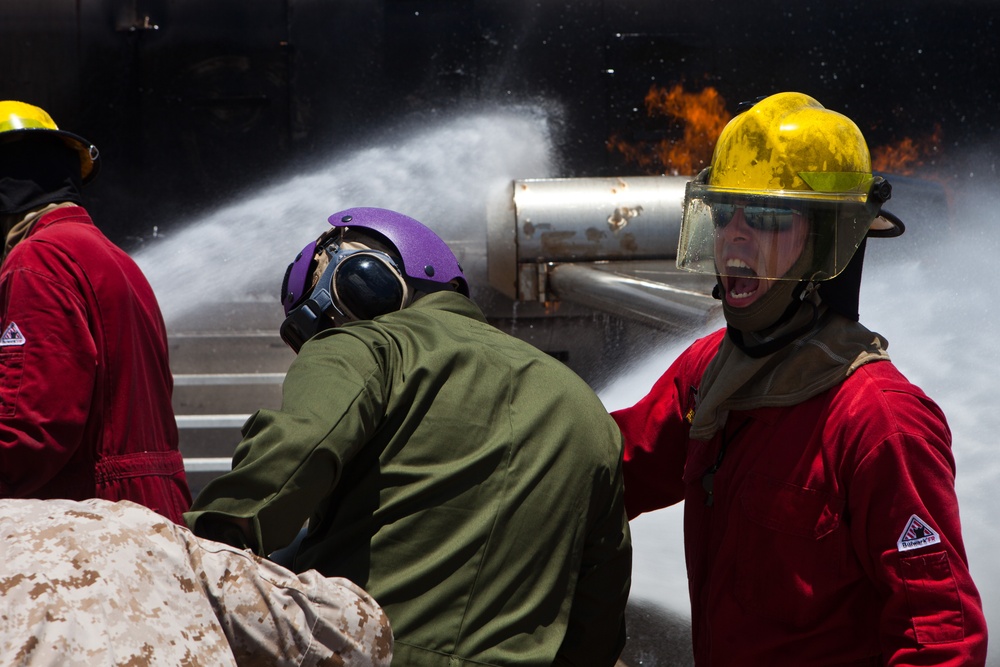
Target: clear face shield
{"type": "Point", "coordinates": [746, 237]}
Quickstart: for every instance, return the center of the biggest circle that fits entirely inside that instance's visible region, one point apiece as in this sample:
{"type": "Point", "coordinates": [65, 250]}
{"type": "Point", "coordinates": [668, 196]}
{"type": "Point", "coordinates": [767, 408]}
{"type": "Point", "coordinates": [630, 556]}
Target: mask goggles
{"type": "Point", "coordinates": [358, 283]}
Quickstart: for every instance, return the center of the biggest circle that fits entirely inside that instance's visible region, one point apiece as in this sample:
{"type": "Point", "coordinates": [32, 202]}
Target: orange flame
{"type": "Point", "coordinates": [702, 115]}
{"type": "Point", "coordinates": [695, 121]}
{"type": "Point", "coordinates": [906, 155]}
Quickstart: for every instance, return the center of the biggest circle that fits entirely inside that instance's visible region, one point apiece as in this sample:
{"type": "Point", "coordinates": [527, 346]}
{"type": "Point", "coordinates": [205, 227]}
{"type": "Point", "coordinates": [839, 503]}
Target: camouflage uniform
{"type": "Point", "coordinates": [97, 583]}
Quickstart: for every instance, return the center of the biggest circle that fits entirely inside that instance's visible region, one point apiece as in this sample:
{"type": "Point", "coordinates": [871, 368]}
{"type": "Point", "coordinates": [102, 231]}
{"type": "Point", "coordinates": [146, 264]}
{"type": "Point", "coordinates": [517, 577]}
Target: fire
{"type": "Point", "coordinates": [700, 115]}
{"type": "Point", "coordinates": [696, 119]}
{"type": "Point", "coordinates": [906, 155]}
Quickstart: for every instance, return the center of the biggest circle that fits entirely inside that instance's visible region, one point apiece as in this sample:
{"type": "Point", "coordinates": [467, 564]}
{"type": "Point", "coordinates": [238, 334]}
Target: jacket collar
{"type": "Point", "coordinates": [451, 302]}
{"type": "Point", "coordinates": [19, 228]}
{"type": "Point", "coordinates": [58, 213]}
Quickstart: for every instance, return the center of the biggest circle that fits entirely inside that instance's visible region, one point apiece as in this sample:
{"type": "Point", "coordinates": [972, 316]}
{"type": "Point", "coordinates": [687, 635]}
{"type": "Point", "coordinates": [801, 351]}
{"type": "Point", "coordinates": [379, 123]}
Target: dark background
{"type": "Point", "coordinates": [192, 102]}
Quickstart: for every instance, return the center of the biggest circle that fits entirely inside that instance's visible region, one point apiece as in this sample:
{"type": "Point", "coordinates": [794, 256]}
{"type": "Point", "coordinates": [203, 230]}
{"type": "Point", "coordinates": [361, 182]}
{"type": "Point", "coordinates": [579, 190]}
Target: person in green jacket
{"type": "Point", "coordinates": [469, 482]}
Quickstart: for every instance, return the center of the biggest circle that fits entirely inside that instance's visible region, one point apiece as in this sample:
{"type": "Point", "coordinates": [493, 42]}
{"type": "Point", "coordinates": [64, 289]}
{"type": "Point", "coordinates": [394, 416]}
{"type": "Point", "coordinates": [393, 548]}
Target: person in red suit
{"type": "Point", "coordinates": [85, 382]}
{"type": "Point", "coordinates": [821, 524]}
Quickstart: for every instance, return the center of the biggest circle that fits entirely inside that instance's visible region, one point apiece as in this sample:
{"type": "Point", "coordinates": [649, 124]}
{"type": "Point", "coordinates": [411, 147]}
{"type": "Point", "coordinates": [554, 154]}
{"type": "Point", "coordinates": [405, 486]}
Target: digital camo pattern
{"type": "Point", "coordinates": [97, 583]}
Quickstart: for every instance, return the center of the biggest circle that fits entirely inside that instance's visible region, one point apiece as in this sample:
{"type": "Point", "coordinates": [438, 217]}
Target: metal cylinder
{"type": "Point", "coordinates": [673, 299]}
{"type": "Point", "coordinates": [588, 219]}
{"type": "Point", "coordinates": [560, 220]}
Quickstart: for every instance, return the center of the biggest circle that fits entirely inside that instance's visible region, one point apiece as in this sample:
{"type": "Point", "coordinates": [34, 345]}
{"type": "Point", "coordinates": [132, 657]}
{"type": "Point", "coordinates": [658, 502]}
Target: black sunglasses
{"type": "Point", "coordinates": [760, 218]}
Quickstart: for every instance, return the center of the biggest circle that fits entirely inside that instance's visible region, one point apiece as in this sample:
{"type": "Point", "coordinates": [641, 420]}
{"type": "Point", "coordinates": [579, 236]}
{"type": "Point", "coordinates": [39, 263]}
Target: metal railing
{"type": "Point", "coordinates": [211, 421]}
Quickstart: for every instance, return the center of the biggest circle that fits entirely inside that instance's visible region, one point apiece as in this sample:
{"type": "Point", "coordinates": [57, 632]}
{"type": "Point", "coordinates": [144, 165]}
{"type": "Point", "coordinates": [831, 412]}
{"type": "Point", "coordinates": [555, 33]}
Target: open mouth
{"type": "Point", "coordinates": [741, 281]}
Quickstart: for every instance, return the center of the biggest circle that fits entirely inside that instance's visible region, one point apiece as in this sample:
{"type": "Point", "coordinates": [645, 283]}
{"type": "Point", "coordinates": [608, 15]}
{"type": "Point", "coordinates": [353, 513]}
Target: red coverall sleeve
{"type": "Point", "coordinates": [933, 613]}
{"type": "Point", "coordinates": [655, 433]}
{"type": "Point", "coordinates": [48, 363]}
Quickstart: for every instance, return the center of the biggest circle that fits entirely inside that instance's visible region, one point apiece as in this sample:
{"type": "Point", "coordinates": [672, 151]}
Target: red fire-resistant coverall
{"type": "Point", "coordinates": [833, 536]}
{"type": "Point", "coordinates": [85, 384]}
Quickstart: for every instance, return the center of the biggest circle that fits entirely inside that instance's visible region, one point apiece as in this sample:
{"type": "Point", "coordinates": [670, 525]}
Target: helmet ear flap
{"type": "Point", "coordinates": [843, 292]}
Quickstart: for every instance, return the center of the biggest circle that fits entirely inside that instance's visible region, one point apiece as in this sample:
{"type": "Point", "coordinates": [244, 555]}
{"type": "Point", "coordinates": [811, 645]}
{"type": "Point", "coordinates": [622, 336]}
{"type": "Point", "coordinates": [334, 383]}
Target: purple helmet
{"type": "Point", "coordinates": [425, 256]}
{"type": "Point", "coordinates": [362, 284]}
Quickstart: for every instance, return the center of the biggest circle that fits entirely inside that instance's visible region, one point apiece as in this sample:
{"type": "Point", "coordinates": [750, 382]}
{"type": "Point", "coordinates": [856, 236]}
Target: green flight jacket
{"type": "Point", "coordinates": [469, 482]}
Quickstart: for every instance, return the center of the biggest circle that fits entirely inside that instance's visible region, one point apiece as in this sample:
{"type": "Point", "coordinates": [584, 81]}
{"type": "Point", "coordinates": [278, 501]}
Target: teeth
{"type": "Point", "coordinates": [734, 263]}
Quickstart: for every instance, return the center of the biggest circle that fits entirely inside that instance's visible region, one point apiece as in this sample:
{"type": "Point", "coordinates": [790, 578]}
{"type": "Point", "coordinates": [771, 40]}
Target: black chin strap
{"type": "Point", "coordinates": [801, 295]}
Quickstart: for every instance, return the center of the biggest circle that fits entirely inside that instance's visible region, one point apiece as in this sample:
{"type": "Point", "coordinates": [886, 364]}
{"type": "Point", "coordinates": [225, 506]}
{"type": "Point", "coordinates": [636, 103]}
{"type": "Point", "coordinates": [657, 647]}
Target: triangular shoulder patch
{"type": "Point", "coordinates": [12, 336]}
{"type": "Point", "coordinates": [917, 534]}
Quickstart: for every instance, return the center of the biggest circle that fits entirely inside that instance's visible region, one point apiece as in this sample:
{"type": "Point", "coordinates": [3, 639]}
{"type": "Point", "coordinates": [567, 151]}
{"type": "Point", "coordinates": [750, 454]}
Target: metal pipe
{"type": "Point", "coordinates": [573, 219]}
{"type": "Point", "coordinates": [557, 220]}
{"type": "Point", "coordinates": [673, 299]}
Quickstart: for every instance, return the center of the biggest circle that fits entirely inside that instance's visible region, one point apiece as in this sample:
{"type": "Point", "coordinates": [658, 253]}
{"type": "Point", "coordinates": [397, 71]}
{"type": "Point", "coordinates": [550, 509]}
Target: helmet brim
{"type": "Point", "coordinates": [90, 161]}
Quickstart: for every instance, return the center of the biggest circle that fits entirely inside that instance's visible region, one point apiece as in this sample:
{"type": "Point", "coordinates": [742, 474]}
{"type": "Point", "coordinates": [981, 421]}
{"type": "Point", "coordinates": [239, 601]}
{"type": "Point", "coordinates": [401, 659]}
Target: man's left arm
{"type": "Point", "coordinates": [906, 527]}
